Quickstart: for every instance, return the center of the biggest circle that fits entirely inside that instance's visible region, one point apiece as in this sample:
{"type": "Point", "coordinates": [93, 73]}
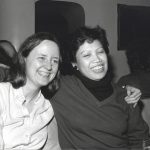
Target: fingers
{"type": "Point", "coordinates": [131, 101]}
{"type": "Point", "coordinates": [132, 91]}
{"type": "Point", "coordinates": [133, 98]}
{"type": "Point", "coordinates": [133, 95]}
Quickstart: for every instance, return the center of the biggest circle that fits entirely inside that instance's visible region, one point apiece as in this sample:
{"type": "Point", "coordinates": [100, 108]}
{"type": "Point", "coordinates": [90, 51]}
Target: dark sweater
{"type": "Point", "coordinates": [139, 80]}
{"type": "Point", "coordinates": [86, 123]}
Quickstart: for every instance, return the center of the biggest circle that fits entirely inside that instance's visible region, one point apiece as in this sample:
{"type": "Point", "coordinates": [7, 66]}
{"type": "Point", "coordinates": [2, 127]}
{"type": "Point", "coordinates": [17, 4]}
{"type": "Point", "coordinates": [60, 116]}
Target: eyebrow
{"type": "Point", "coordinates": [82, 51]}
{"type": "Point", "coordinates": [56, 57]}
{"type": "Point", "coordinates": [89, 50]}
{"type": "Point", "coordinates": [100, 48]}
{"type": "Point", "coordinates": [40, 54]}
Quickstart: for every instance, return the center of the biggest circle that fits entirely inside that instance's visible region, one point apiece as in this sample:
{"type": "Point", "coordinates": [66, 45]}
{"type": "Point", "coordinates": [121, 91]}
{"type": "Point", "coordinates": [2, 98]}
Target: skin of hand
{"type": "Point", "coordinates": [133, 95]}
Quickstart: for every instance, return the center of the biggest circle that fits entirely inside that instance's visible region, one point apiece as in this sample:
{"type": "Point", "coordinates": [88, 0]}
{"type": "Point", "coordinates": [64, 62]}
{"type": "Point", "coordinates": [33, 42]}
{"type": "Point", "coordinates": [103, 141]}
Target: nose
{"type": "Point", "coordinates": [48, 66]}
{"type": "Point", "coordinates": [96, 58]}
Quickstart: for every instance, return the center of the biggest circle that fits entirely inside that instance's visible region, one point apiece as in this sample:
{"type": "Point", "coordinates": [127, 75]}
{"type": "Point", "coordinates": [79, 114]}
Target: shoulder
{"type": "Point", "coordinates": [68, 80]}
{"type": "Point", "coordinates": [126, 78]}
{"type": "Point", "coordinates": [120, 93]}
{"type": "Point", "coordinates": [130, 79]}
{"type": "Point", "coordinates": [4, 94]}
{"type": "Point", "coordinates": [5, 89]}
{"type": "Point", "coordinates": [5, 86]}
{"type": "Point", "coordinates": [69, 84]}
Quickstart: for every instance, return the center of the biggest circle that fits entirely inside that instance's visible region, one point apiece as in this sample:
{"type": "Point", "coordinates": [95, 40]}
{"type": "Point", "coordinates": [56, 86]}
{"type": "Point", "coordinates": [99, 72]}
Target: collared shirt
{"type": "Point", "coordinates": [21, 129]}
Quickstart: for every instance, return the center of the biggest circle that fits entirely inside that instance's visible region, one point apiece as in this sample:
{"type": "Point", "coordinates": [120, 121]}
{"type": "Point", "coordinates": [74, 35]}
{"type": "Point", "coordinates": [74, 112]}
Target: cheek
{"type": "Point", "coordinates": [81, 64]}
{"type": "Point", "coordinates": [31, 67]}
{"type": "Point", "coordinates": [55, 68]}
{"type": "Point", "coordinates": [105, 60]}
{"type": "Point", "coordinates": [83, 67]}
{"type": "Point", "coordinates": [106, 63]}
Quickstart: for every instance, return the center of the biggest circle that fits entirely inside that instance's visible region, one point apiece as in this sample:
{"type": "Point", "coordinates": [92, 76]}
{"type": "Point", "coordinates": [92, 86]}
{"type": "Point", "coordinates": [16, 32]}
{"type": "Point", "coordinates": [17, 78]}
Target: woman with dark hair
{"type": "Point", "coordinates": [90, 111]}
{"type": "Point", "coordinates": [9, 48]}
{"type": "Point", "coordinates": [8, 56]}
{"type": "Point", "coordinates": [24, 112]}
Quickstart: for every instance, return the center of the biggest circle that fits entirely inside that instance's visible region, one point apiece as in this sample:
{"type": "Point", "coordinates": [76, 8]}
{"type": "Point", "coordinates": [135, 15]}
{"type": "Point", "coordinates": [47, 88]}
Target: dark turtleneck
{"type": "Point", "coordinates": [100, 89]}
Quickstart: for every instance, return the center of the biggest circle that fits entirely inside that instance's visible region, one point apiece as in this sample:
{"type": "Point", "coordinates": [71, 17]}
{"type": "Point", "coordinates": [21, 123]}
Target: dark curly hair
{"type": "Point", "coordinates": [88, 34]}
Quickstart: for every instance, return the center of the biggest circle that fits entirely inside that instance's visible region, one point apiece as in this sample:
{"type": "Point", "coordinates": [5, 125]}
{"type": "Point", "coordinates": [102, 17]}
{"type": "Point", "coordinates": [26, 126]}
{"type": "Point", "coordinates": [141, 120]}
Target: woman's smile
{"type": "Point", "coordinates": [98, 68]}
{"type": "Point", "coordinates": [42, 63]}
{"type": "Point", "coordinates": [92, 60]}
{"type": "Point", "coordinates": [44, 73]}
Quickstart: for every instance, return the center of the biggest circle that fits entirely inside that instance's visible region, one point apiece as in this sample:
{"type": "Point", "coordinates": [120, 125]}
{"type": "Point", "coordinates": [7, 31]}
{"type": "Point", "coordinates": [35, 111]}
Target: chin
{"type": "Point", "coordinates": [44, 83]}
{"type": "Point", "coordinates": [98, 77]}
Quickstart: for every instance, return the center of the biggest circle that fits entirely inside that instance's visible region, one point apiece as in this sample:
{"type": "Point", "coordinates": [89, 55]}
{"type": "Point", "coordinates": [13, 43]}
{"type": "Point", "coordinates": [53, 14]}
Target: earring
{"type": "Point", "coordinates": [75, 66]}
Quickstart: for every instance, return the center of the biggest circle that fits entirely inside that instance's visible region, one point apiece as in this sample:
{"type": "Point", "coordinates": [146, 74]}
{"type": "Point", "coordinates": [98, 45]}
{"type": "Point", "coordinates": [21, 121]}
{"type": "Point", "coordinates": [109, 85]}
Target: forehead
{"type": "Point", "coordinates": [90, 46]}
{"type": "Point", "coordinates": [46, 47]}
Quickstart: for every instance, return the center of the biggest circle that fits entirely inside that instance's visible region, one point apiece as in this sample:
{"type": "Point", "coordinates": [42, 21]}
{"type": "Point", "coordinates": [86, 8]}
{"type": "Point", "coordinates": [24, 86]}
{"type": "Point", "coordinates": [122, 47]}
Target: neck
{"type": "Point", "coordinates": [30, 93]}
{"type": "Point", "coordinates": [101, 89]}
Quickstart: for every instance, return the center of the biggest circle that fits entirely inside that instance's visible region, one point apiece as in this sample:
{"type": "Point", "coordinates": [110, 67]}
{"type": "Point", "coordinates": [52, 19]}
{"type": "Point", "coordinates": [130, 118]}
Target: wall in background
{"type": "Point", "coordinates": [104, 13]}
{"type": "Point", "coordinates": [17, 22]}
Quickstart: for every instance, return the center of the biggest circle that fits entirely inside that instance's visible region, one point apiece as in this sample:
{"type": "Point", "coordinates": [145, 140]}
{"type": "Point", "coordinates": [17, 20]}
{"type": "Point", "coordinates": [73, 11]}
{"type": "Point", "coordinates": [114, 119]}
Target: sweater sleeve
{"type": "Point", "coordinates": [129, 80]}
{"type": "Point", "coordinates": [138, 130]}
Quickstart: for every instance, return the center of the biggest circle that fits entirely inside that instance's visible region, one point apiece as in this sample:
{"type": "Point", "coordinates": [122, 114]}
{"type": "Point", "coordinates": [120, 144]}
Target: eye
{"type": "Point", "coordinates": [55, 61]}
{"type": "Point", "coordinates": [41, 58]}
{"type": "Point", "coordinates": [86, 55]}
{"type": "Point", "coordinates": [101, 51]}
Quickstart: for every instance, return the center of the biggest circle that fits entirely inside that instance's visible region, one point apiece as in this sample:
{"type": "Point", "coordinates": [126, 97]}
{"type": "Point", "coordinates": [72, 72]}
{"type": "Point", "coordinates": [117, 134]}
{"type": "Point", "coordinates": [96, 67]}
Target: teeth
{"type": "Point", "coordinates": [97, 68]}
{"type": "Point", "coordinates": [45, 74]}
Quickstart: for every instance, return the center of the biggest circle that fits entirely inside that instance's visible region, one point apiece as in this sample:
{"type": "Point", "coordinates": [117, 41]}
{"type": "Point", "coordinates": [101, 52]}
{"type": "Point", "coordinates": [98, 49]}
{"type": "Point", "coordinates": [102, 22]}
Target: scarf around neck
{"type": "Point", "coordinates": [100, 89]}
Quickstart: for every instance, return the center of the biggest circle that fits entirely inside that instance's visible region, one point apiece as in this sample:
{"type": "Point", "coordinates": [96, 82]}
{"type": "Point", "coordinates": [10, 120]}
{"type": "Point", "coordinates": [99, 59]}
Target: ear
{"type": "Point", "coordinates": [75, 65]}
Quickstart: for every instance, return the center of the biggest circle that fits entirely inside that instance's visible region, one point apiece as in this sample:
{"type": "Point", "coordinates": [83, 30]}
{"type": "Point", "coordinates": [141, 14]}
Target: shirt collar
{"type": "Point", "coordinates": [19, 95]}
{"type": "Point", "coordinates": [21, 98]}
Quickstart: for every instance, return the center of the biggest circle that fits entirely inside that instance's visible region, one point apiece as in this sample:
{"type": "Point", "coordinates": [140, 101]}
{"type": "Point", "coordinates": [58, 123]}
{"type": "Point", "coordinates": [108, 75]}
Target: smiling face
{"type": "Point", "coordinates": [91, 60]}
{"type": "Point", "coordinates": [42, 64]}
